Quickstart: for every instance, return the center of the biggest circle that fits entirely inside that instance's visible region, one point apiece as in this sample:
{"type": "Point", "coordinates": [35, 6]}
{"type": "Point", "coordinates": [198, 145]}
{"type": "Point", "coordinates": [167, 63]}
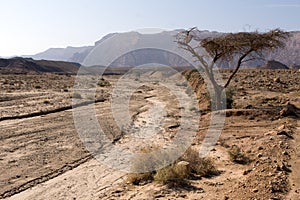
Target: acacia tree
{"type": "Point", "coordinates": [238, 48]}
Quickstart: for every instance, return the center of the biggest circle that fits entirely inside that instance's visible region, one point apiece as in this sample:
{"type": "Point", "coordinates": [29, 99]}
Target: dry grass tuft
{"type": "Point", "coordinates": [237, 155]}
{"type": "Point", "coordinates": [140, 178]}
{"type": "Point", "coordinates": [188, 166]}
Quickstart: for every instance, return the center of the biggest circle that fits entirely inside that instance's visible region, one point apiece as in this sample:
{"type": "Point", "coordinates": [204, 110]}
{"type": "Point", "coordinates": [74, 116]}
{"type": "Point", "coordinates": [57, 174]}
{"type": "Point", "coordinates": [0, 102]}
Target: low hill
{"type": "Point", "coordinates": [294, 66]}
{"type": "Point", "coordinates": [28, 65]}
{"type": "Point", "coordinates": [273, 64]}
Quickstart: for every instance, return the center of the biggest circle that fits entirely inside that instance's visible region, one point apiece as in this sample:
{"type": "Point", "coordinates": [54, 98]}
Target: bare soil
{"type": "Point", "coordinates": [43, 157]}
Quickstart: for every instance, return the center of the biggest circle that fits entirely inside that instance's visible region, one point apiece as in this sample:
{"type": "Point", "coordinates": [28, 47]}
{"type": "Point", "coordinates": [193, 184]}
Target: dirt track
{"type": "Point", "coordinates": [37, 149]}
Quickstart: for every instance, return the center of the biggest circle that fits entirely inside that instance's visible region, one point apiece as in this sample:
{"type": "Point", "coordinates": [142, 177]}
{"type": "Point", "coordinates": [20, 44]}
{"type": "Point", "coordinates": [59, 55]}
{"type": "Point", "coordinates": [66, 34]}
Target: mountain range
{"type": "Point", "coordinates": [289, 56]}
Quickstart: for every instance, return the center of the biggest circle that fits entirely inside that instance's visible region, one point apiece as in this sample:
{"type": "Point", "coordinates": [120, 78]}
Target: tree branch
{"type": "Point", "coordinates": [238, 65]}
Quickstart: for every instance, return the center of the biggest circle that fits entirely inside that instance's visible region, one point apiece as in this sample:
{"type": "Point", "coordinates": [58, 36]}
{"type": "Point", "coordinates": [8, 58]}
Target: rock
{"type": "Point", "coordinates": [117, 191]}
{"type": "Point", "coordinates": [200, 190]}
{"type": "Point", "coordinates": [247, 171]}
{"type": "Point", "coordinates": [183, 163]}
{"type": "Point", "coordinates": [281, 127]}
{"type": "Point", "coordinates": [259, 155]}
{"type": "Point", "coordinates": [182, 195]}
{"type": "Point", "coordinates": [278, 168]}
{"type": "Point", "coordinates": [289, 110]}
{"type": "Point", "coordinates": [275, 198]}
{"type": "Point", "coordinates": [183, 166]}
{"type": "Point", "coordinates": [286, 133]}
{"type": "Point", "coordinates": [255, 190]}
{"type": "Point", "coordinates": [249, 107]}
{"type": "Point", "coordinates": [268, 133]}
{"type": "Point", "coordinates": [277, 80]}
{"type": "Point", "coordinates": [285, 168]}
{"type": "Point", "coordinates": [285, 153]}
{"type": "Point", "coordinates": [159, 196]}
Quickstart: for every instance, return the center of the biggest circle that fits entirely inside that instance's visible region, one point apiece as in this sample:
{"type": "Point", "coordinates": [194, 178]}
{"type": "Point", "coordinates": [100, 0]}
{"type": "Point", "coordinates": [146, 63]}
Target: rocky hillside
{"type": "Point", "coordinates": [273, 64]}
{"type": "Point", "coordinates": [289, 56]}
{"type": "Point", "coordinates": [28, 65]}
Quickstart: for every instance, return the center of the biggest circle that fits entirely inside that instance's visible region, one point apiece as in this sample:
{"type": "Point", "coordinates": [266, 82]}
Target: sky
{"type": "Point", "coordinates": [32, 26]}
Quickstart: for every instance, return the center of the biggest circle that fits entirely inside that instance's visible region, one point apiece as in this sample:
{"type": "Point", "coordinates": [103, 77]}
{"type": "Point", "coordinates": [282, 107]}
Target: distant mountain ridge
{"type": "Point", "coordinates": [289, 56]}
{"type": "Point", "coordinates": [70, 54]}
{"type": "Point", "coordinates": [28, 65]}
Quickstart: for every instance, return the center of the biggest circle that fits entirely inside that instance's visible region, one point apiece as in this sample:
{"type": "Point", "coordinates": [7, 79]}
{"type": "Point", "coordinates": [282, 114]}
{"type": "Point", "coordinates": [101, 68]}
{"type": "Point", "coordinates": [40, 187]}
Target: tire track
{"type": "Point", "coordinates": [45, 177]}
{"type": "Point", "coordinates": [41, 113]}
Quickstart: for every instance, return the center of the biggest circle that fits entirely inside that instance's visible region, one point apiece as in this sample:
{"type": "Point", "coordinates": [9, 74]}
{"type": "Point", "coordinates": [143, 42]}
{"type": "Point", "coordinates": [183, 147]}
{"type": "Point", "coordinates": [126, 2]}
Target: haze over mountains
{"type": "Point", "coordinates": [289, 56]}
{"type": "Point", "coordinates": [68, 60]}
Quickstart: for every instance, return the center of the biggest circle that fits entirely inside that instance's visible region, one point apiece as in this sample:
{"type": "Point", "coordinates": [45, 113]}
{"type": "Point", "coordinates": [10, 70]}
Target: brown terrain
{"type": "Point", "coordinates": [43, 157]}
{"type": "Point", "coordinates": [19, 65]}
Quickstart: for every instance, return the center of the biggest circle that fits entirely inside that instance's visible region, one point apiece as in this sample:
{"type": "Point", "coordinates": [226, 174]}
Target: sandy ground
{"type": "Point", "coordinates": [43, 157]}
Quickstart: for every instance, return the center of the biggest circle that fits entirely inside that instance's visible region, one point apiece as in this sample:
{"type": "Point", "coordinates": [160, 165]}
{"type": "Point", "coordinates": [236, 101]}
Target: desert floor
{"type": "Point", "coordinates": [43, 157]}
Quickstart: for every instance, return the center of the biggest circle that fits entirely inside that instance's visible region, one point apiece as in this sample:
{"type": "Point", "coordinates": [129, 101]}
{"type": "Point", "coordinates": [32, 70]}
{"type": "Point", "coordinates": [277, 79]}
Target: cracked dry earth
{"type": "Point", "coordinates": [42, 157]}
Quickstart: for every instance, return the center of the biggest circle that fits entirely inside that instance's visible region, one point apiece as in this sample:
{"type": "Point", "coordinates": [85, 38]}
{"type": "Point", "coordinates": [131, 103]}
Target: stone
{"type": "Point", "coordinates": [271, 138]}
{"type": "Point", "coordinates": [289, 110]}
{"type": "Point", "coordinates": [277, 80]}
{"type": "Point", "coordinates": [286, 133]}
{"type": "Point", "coordinates": [247, 171]}
{"type": "Point", "coordinates": [183, 163]}
{"type": "Point", "coordinates": [255, 190]}
{"type": "Point", "coordinates": [281, 127]}
{"type": "Point", "coordinates": [285, 153]}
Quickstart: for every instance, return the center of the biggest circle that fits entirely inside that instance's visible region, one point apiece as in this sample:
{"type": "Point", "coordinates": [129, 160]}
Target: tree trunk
{"type": "Point", "coordinates": [220, 100]}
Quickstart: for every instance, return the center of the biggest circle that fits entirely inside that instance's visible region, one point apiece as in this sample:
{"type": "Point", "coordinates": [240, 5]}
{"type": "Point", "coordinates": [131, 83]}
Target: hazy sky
{"type": "Point", "coordinates": [32, 26]}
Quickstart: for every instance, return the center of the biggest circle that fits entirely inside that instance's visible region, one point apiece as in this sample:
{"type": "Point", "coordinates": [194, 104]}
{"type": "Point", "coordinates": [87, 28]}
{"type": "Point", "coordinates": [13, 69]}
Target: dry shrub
{"type": "Point", "coordinates": [141, 164]}
{"type": "Point", "coordinates": [237, 155]}
{"type": "Point", "coordinates": [140, 178]}
{"type": "Point", "coordinates": [199, 167]}
{"type": "Point", "coordinates": [173, 175]}
{"type": "Point", "coordinates": [188, 166]}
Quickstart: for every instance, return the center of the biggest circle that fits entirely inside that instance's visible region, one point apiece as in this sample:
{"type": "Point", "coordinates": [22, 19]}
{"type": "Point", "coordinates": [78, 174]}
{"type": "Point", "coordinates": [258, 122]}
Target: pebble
{"type": "Point", "coordinates": [183, 163]}
{"type": "Point", "coordinates": [281, 127]}
{"type": "Point", "coordinates": [259, 155]}
{"type": "Point", "coordinates": [271, 138]}
{"type": "Point", "coordinates": [255, 190]}
{"type": "Point", "coordinates": [247, 172]}
{"type": "Point", "coordinates": [285, 153]}
{"type": "Point", "coordinates": [159, 196]}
